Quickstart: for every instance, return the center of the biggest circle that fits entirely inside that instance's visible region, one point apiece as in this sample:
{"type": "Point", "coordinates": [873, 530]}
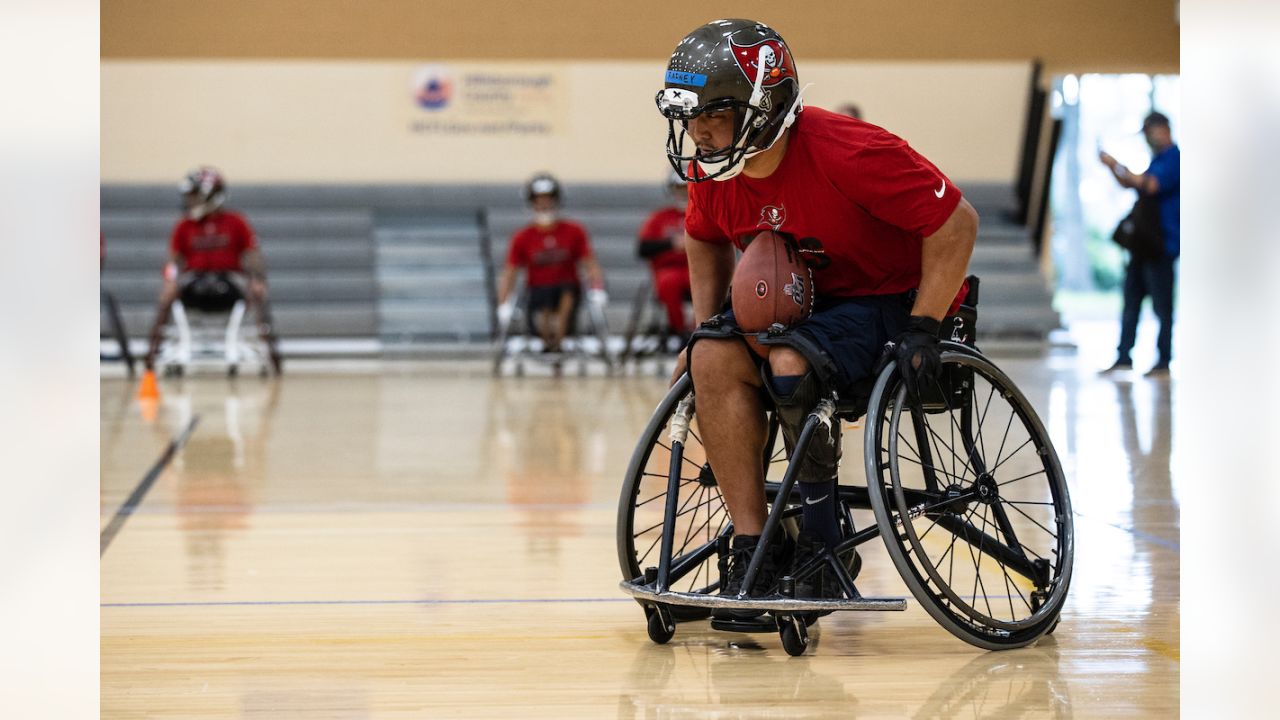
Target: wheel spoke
{"type": "Point", "coordinates": [683, 457]}
{"type": "Point", "coordinates": [1015, 452]}
{"type": "Point", "coordinates": [938, 439]}
{"type": "Point", "coordinates": [936, 469]}
{"type": "Point", "coordinates": [1051, 533]}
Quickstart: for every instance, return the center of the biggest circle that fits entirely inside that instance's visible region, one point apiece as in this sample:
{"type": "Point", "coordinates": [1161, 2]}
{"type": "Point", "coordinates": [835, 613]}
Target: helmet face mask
{"type": "Point", "coordinates": [203, 192]}
{"type": "Point", "coordinates": [739, 66]}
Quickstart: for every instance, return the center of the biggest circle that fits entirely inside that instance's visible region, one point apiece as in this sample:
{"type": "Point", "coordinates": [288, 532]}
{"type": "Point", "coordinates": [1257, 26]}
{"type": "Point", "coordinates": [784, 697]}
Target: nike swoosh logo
{"type": "Point", "coordinates": [942, 190]}
{"type": "Point", "coordinates": [807, 501]}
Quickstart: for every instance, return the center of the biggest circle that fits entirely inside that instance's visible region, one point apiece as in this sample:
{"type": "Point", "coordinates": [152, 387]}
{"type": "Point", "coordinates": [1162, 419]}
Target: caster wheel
{"type": "Point", "coordinates": [662, 626]}
{"type": "Point", "coordinates": [519, 370]}
{"type": "Point", "coordinates": [233, 371]}
{"type": "Point", "coordinates": [794, 634]}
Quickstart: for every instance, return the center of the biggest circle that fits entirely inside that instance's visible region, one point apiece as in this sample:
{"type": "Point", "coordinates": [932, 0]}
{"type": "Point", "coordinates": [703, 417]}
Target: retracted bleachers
{"type": "Point", "coordinates": [414, 265]}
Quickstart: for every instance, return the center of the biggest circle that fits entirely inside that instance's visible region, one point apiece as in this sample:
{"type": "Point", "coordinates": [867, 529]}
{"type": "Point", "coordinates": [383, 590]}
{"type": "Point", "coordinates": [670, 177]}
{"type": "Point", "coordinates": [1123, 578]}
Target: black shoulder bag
{"type": "Point", "coordinates": [1140, 232]}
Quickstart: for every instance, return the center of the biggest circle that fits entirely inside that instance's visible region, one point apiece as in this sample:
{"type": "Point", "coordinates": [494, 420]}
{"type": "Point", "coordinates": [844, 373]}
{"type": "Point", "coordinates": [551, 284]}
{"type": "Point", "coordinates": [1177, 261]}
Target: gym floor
{"type": "Point", "coordinates": [418, 539]}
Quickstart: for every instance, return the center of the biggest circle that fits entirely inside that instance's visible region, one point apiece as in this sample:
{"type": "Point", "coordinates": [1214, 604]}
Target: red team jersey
{"type": "Point", "coordinates": [213, 244]}
{"type": "Point", "coordinates": [550, 255]}
{"type": "Point", "coordinates": [857, 198]}
{"type": "Point", "coordinates": [663, 226]}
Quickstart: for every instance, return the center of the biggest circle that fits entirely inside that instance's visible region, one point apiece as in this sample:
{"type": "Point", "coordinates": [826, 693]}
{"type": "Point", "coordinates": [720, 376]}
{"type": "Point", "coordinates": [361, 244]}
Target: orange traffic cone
{"type": "Point", "coordinates": [148, 389]}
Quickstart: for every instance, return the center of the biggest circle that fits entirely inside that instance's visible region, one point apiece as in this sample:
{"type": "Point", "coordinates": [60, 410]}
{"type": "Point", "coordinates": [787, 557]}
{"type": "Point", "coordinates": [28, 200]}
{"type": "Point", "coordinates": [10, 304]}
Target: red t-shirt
{"type": "Point", "coordinates": [213, 244]}
{"type": "Point", "coordinates": [663, 226]}
{"type": "Point", "coordinates": [550, 255]}
{"type": "Point", "coordinates": [857, 198]}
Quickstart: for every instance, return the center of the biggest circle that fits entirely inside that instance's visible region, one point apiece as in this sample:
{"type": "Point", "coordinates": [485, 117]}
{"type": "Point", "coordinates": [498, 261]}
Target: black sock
{"type": "Point", "coordinates": [784, 385]}
{"type": "Point", "coordinates": [819, 510]}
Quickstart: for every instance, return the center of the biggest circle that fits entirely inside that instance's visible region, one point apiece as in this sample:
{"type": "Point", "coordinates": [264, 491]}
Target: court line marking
{"type": "Point", "coordinates": [375, 507]}
{"type": "Point", "coordinates": [467, 601]}
{"type": "Point", "coordinates": [144, 485]}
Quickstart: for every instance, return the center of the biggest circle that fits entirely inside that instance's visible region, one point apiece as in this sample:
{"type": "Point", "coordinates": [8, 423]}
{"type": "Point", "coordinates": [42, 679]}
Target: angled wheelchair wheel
{"type": "Point", "coordinates": [971, 501]}
{"type": "Point", "coordinates": [701, 516]}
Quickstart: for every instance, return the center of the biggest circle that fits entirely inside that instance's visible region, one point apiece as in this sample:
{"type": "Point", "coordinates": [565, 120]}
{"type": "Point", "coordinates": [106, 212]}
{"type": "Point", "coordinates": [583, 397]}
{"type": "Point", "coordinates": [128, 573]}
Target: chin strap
{"type": "Point", "coordinates": [796, 107]}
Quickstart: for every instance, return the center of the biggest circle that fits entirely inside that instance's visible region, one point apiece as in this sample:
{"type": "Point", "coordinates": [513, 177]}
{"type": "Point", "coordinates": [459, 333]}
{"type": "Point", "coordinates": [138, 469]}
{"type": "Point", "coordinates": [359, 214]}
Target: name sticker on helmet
{"type": "Point", "coordinates": [686, 78]}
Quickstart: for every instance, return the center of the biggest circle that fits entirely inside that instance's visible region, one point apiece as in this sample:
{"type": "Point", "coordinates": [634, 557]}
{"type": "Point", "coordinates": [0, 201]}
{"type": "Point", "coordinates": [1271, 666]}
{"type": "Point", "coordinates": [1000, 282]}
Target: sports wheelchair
{"type": "Point", "coordinates": [196, 333]}
{"type": "Point", "coordinates": [518, 342]}
{"type": "Point", "coordinates": [967, 491]}
{"type": "Point", "coordinates": [648, 333]}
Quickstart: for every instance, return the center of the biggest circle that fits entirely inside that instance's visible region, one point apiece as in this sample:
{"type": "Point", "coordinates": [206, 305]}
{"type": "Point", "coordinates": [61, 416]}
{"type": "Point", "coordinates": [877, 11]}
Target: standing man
{"type": "Point", "coordinates": [872, 217]}
{"type": "Point", "coordinates": [549, 249]}
{"type": "Point", "coordinates": [1154, 275]}
{"type": "Point", "coordinates": [212, 241]}
{"type": "Point", "coordinates": [661, 242]}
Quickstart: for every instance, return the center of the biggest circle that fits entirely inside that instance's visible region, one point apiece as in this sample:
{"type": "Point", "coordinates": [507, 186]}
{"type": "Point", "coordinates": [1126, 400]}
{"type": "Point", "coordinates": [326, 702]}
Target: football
{"type": "Point", "coordinates": [770, 285]}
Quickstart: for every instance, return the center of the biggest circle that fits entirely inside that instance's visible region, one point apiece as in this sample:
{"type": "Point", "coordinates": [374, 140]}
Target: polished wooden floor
{"type": "Point", "coordinates": [419, 540]}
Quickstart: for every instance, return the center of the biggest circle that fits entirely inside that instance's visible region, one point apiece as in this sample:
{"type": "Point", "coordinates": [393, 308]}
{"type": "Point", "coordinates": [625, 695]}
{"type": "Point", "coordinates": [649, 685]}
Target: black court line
{"type": "Point", "coordinates": [144, 485]}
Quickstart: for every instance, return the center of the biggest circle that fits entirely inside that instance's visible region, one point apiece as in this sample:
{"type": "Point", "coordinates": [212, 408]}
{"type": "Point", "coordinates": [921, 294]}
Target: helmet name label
{"type": "Point", "coordinates": [686, 78]}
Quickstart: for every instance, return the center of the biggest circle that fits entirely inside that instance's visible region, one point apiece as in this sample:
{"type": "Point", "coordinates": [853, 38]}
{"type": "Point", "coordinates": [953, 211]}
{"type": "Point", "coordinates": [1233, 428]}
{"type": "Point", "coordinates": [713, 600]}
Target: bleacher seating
{"type": "Point", "coordinates": [407, 264]}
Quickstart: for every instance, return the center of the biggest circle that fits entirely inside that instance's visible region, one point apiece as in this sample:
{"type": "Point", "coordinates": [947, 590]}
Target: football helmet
{"type": "Point", "coordinates": [542, 184]}
{"type": "Point", "coordinates": [736, 65]}
{"type": "Point", "coordinates": [203, 192]}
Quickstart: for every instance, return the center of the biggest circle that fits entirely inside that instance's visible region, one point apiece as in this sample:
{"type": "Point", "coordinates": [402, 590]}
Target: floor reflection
{"type": "Point", "coordinates": [217, 474]}
{"type": "Point", "coordinates": [743, 679]}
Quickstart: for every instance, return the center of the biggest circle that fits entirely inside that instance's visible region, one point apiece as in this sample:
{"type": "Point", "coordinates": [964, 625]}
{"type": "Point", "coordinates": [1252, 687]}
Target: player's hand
{"type": "Point", "coordinates": [258, 288]}
{"type": "Point", "coordinates": [918, 354]}
{"type": "Point", "coordinates": [505, 311]}
{"type": "Point", "coordinates": [1107, 159]}
{"type": "Point", "coordinates": [598, 297]}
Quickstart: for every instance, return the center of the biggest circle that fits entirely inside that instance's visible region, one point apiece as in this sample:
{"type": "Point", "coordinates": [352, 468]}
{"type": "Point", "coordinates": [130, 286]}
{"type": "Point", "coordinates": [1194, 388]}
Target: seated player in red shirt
{"type": "Point", "coordinates": [661, 242]}
{"type": "Point", "coordinates": [208, 244]}
{"type": "Point", "coordinates": [549, 249]}
{"type": "Point", "coordinates": [873, 218]}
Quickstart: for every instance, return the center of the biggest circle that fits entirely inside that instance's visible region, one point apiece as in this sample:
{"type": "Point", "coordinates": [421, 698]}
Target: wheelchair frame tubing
{"type": "Point", "coordinates": [679, 431]}
{"type": "Point", "coordinates": [821, 415]}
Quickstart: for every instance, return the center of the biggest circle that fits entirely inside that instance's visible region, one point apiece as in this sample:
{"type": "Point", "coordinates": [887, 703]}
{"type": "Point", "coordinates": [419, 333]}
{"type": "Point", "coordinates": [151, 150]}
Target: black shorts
{"type": "Point", "coordinates": [548, 297]}
{"type": "Point", "coordinates": [210, 291]}
{"type": "Point", "coordinates": [844, 337]}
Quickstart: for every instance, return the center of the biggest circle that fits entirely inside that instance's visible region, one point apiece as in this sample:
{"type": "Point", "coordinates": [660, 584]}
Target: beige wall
{"type": "Point", "coordinates": [1069, 35]}
{"type": "Point", "coordinates": [327, 121]}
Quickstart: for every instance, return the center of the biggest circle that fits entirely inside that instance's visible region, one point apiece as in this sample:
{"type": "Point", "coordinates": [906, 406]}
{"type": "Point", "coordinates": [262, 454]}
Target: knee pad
{"type": "Point", "coordinates": [822, 462]}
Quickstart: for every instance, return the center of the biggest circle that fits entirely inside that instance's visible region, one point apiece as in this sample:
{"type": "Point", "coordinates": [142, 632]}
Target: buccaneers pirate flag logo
{"type": "Point", "coordinates": [777, 62]}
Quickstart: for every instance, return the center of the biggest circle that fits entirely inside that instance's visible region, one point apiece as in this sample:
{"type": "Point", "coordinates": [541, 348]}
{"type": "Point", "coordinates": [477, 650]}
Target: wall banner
{"type": "Point", "coordinates": [462, 100]}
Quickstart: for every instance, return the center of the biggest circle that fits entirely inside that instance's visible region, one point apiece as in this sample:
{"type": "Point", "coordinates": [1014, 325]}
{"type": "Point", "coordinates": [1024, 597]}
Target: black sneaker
{"type": "Point", "coordinates": [823, 584]}
{"type": "Point", "coordinates": [1118, 366]}
{"type": "Point", "coordinates": [738, 559]}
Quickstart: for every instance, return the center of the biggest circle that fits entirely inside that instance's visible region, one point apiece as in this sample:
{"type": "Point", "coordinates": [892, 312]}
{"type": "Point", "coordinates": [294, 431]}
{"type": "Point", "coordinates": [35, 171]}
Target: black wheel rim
{"type": "Point", "coordinates": [702, 517]}
{"type": "Point", "coordinates": [998, 510]}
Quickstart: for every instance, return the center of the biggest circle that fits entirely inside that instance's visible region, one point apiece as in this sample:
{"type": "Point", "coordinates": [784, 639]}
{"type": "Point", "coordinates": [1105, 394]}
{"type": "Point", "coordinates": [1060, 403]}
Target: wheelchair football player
{"type": "Point", "coordinates": [966, 489]}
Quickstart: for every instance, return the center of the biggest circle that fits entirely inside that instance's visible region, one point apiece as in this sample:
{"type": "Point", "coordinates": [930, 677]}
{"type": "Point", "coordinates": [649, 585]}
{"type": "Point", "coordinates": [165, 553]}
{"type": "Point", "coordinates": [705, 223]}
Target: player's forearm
{"type": "Point", "coordinates": [505, 283]}
{"type": "Point", "coordinates": [945, 261]}
{"type": "Point", "coordinates": [710, 271]}
{"type": "Point", "coordinates": [595, 276]}
{"type": "Point", "coordinates": [255, 265]}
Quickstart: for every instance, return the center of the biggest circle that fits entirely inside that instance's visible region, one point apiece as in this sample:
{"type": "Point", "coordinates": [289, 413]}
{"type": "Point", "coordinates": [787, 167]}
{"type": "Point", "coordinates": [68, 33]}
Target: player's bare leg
{"type": "Point", "coordinates": [544, 325]}
{"type": "Point", "coordinates": [560, 325]}
{"type": "Point", "coordinates": [168, 293]}
{"type": "Point", "coordinates": [733, 427]}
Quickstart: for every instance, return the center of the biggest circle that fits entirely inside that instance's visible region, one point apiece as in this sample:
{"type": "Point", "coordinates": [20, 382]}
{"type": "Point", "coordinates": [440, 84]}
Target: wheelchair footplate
{"type": "Point", "coordinates": [790, 617]}
{"type": "Point", "coordinates": [775, 603]}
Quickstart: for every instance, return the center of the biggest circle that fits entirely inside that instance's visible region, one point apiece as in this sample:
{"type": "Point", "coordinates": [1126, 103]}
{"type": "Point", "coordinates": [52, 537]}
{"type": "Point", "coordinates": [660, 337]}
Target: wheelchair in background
{"type": "Point", "coordinates": [967, 492]}
{"type": "Point", "coordinates": [518, 343]}
{"type": "Point", "coordinates": [206, 326]}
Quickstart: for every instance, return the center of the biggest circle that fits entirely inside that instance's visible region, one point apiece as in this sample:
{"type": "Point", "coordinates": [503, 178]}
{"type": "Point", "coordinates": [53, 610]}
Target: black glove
{"type": "Point", "coordinates": [916, 350]}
